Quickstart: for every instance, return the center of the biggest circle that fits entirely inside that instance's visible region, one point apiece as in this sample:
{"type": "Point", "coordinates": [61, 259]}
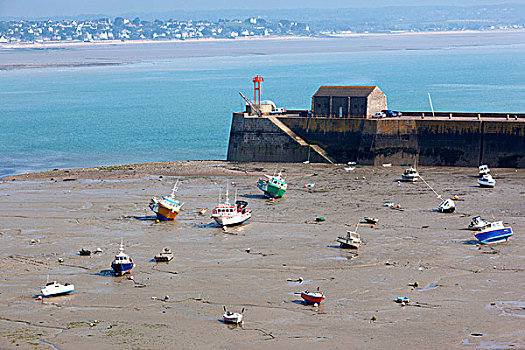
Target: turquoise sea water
{"type": "Point", "coordinates": [181, 109]}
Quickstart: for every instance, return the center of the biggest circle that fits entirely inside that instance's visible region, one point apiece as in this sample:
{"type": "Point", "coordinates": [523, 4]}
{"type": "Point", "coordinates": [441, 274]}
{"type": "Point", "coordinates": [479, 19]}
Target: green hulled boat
{"type": "Point", "coordinates": [272, 186]}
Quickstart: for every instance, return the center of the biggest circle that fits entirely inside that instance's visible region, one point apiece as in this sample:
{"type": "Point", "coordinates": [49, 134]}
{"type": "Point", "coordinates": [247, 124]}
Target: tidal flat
{"type": "Point", "coordinates": [468, 296]}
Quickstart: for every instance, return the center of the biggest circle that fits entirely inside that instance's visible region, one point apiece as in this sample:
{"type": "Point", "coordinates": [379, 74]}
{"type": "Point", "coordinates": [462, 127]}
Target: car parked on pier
{"type": "Point", "coordinates": [390, 113]}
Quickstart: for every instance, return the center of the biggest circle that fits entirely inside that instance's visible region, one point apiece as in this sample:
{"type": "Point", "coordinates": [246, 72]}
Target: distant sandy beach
{"type": "Point", "coordinates": [79, 54]}
{"type": "Point", "coordinates": [467, 296]}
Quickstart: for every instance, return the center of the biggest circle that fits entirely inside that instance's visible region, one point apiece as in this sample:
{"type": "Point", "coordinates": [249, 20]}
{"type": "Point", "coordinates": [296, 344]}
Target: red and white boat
{"type": "Point", "coordinates": [312, 297]}
{"type": "Point", "coordinates": [227, 214]}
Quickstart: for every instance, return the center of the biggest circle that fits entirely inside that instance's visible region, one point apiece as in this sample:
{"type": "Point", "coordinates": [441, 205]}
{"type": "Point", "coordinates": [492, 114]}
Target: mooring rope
{"type": "Point", "coordinates": [426, 183]}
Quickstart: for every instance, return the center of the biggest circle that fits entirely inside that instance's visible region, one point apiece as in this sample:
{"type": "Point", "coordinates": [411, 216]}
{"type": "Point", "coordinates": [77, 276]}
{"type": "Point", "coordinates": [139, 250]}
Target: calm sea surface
{"type": "Point", "coordinates": [180, 109]}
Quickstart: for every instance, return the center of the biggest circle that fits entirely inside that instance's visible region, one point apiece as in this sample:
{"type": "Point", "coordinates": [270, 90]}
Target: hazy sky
{"type": "Point", "coordinates": [42, 8]}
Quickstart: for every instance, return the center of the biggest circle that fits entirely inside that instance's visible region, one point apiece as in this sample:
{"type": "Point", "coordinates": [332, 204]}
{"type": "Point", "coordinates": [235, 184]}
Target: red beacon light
{"type": "Point", "coordinates": [257, 80]}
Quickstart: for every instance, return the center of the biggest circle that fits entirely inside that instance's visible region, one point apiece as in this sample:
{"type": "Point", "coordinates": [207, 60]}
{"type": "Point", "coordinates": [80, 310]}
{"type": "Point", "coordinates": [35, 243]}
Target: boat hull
{"type": "Point", "coordinates": [270, 190]}
{"type": "Point", "coordinates": [348, 243]}
{"type": "Point", "coordinates": [236, 318]}
{"type": "Point", "coordinates": [408, 178]}
{"type": "Point", "coordinates": [65, 290]}
{"type": "Point", "coordinates": [232, 220]}
{"type": "Point", "coordinates": [163, 213]}
{"type": "Point", "coordinates": [309, 299]}
{"type": "Point", "coordinates": [486, 184]}
{"type": "Point", "coordinates": [494, 236]}
{"type": "Point", "coordinates": [121, 269]}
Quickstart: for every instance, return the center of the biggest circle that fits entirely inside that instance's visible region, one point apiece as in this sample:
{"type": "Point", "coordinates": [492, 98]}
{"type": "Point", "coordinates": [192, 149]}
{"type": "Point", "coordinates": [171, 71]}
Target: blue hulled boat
{"type": "Point", "coordinates": [494, 232]}
{"type": "Point", "coordinates": [122, 263]}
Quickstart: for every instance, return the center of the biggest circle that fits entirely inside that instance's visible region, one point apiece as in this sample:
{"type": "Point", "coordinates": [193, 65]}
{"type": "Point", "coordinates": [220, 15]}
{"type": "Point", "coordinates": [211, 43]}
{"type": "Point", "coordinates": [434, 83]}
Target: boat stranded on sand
{"type": "Point", "coordinates": [122, 263]}
{"type": "Point", "coordinates": [232, 317]}
{"type": "Point", "coordinates": [54, 289]}
{"type": "Point", "coordinates": [494, 232]}
{"type": "Point", "coordinates": [447, 206]}
{"type": "Point", "coordinates": [410, 175]}
{"type": "Point", "coordinates": [166, 207]}
{"type": "Point", "coordinates": [165, 256]}
{"type": "Point", "coordinates": [486, 181]}
{"type": "Point", "coordinates": [273, 186]}
{"type": "Point", "coordinates": [352, 240]}
{"type": "Point", "coordinates": [312, 297]}
{"type": "Point", "coordinates": [227, 214]}
{"type": "Point", "coordinates": [477, 223]}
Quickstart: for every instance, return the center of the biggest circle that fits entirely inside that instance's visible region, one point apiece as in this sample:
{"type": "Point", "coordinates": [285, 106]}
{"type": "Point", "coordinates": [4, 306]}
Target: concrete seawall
{"type": "Point", "coordinates": [454, 141]}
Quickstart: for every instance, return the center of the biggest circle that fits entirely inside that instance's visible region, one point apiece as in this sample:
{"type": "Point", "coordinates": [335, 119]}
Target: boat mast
{"type": "Point", "coordinates": [174, 189]}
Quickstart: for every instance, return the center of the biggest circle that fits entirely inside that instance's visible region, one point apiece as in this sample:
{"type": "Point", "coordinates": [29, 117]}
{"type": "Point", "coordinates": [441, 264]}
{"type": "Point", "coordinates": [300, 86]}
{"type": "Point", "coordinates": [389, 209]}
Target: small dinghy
{"type": "Point", "coordinates": [487, 181]}
{"type": "Point", "coordinates": [370, 220]}
{"type": "Point", "coordinates": [232, 317]}
{"type": "Point", "coordinates": [54, 288]}
{"type": "Point", "coordinates": [494, 232]}
{"type": "Point", "coordinates": [352, 240]}
{"type": "Point", "coordinates": [477, 223]}
{"type": "Point", "coordinates": [483, 170]}
{"type": "Point", "coordinates": [165, 256]}
{"type": "Point", "coordinates": [410, 175]}
{"type": "Point", "coordinates": [402, 300]}
{"type": "Point", "coordinates": [312, 297]}
{"type": "Point", "coordinates": [447, 206]}
{"type": "Point", "coordinates": [84, 252]}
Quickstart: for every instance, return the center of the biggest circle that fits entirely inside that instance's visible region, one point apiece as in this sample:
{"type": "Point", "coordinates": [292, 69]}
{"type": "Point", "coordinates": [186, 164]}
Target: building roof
{"type": "Point", "coordinates": [345, 91]}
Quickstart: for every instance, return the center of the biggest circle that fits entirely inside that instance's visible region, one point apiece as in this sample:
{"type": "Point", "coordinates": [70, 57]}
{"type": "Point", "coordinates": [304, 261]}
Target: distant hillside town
{"type": "Point", "coordinates": [23, 31]}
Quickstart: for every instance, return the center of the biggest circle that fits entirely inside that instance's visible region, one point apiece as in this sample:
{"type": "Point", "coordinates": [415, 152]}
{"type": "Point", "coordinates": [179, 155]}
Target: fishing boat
{"type": "Point", "coordinates": [167, 207]}
{"type": "Point", "coordinates": [447, 206]}
{"type": "Point", "coordinates": [410, 175]}
{"type": "Point", "coordinates": [312, 297]}
{"type": "Point", "coordinates": [477, 223]}
{"type": "Point", "coordinates": [494, 232]}
{"type": "Point", "coordinates": [122, 263]}
{"type": "Point", "coordinates": [483, 170]}
{"type": "Point", "coordinates": [165, 256]}
{"type": "Point", "coordinates": [54, 288]}
{"type": "Point", "coordinates": [487, 181]}
{"type": "Point", "coordinates": [351, 240]}
{"type": "Point", "coordinates": [232, 317]}
{"type": "Point", "coordinates": [273, 186]}
{"type": "Point", "coordinates": [227, 214]}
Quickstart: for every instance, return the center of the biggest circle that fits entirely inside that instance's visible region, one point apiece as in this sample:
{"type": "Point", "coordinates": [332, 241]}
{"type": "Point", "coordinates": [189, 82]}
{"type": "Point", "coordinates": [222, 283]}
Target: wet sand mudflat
{"type": "Point", "coordinates": [467, 297]}
{"type": "Point", "coordinates": [79, 54]}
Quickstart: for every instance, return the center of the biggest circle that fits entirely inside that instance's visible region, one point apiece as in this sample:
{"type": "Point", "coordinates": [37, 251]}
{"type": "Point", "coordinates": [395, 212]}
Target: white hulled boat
{"type": "Point", "coordinates": [477, 223]}
{"type": "Point", "coordinates": [232, 317]}
{"type": "Point", "coordinates": [54, 288]}
{"type": "Point", "coordinates": [447, 206]}
{"type": "Point", "coordinates": [487, 181]}
{"type": "Point", "coordinates": [227, 214]}
{"type": "Point", "coordinates": [410, 175]}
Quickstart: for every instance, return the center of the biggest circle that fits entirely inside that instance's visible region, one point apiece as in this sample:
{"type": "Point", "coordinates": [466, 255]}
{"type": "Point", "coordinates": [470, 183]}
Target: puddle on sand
{"type": "Point", "coordinates": [297, 283]}
{"type": "Point", "coordinates": [509, 308]}
{"type": "Point", "coordinates": [430, 286]}
{"type": "Point", "coordinates": [490, 344]}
